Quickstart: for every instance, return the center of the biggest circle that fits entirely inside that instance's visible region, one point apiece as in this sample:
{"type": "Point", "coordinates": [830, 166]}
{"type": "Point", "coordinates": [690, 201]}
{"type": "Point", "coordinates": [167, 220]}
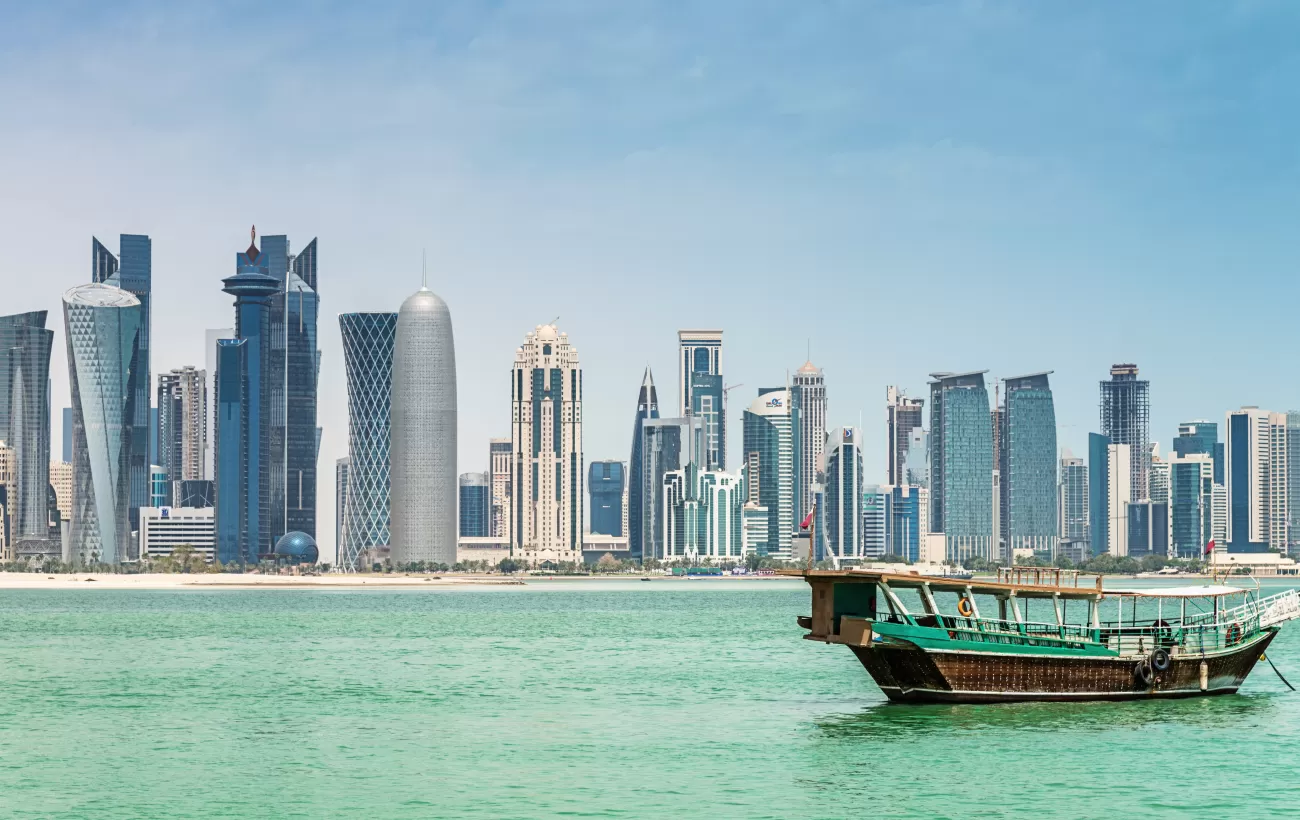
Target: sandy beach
{"type": "Point", "coordinates": [33, 580]}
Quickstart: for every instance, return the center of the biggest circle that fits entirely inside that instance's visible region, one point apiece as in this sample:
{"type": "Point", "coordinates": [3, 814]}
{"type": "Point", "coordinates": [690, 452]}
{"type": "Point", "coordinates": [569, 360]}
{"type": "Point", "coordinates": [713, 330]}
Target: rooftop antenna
{"type": "Point", "coordinates": [424, 269]}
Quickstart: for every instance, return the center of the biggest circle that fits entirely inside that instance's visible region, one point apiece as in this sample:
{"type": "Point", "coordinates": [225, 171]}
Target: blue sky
{"type": "Point", "coordinates": [908, 186]}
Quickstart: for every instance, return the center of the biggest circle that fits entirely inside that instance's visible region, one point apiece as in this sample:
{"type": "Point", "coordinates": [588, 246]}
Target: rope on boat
{"type": "Point", "coordinates": [1279, 674]}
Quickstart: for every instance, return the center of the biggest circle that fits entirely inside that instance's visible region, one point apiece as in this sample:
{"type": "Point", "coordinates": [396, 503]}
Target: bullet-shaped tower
{"type": "Point", "coordinates": [423, 433]}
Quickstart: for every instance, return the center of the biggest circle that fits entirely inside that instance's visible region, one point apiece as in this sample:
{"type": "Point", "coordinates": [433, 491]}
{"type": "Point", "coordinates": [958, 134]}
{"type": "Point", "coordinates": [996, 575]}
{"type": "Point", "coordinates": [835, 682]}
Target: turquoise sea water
{"type": "Point", "coordinates": [588, 699]}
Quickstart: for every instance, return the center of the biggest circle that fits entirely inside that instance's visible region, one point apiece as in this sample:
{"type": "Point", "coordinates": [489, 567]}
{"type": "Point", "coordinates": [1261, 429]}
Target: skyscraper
{"type": "Point", "coordinates": [1125, 419]}
{"type": "Point", "coordinates": [961, 464]}
{"type": "Point", "coordinates": [1191, 503]}
{"type": "Point", "coordinates": [547, 508]}
{"type": "Point", "coordinates": [368, 340]}
{"type": "Point", "coordinates": [1256, 473]}
{"type": "Point", "coordinates": [102, 327]}
{"type": "Point", "coordinates": [772, 456]}
{"type": "Point", "coordinates": [843, 494]}
{"type": "Point", "coordinates": [500, 453]}
{"type": "Point", "coordinates": [808, 394]}
{"type": "Point", "coordinates": [133, 272]}
{"type": "Point", "coordinates": [475, 505]}
{"type": "Point", "coordinates": [423, 441]}
{"type": "Point", "coordinates": [903, 416]}
{"type": "Point", "coordinates": [67, 435]}
{"type": "Point", "coordinates": [647, 407]}
{"type": "Point", "coordinates": [606, 482]}
{"type": "Point", "coordinates": [1029, 482]}
{"type": "Point", "coordinates": [182, 423]}
{"type": "Point", "coordinates": [699, 377]}
{"type": "Point", "coordinates": [25, 346]}
{"type": "Point", "coordinates": [909, 516]}
{"type": "Point", "coordinates": [247, 503]}
{"type": "Point", "coordinates": [1292, 480]}
{"type": "Point", "coordinates": [702, 514]}
{"type": "Point", "coordinates": [667, 446]}
{"type": "Point", "coordinates": [875, 521]}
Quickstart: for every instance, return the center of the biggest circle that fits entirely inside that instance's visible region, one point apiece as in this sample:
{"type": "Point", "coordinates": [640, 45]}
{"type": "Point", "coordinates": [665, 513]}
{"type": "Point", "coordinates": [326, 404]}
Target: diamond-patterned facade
{"type": "Point", "coordinates": [368, 359]}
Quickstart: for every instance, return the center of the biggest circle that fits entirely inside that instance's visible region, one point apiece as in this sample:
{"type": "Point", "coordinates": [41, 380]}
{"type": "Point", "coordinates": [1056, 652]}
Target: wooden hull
{"type": "Point", "coordinates": [909, 674]}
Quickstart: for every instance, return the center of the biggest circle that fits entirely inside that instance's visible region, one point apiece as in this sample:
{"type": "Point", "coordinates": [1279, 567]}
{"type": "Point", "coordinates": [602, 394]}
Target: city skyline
{"type": "Point", "coordinates": [822, 173]}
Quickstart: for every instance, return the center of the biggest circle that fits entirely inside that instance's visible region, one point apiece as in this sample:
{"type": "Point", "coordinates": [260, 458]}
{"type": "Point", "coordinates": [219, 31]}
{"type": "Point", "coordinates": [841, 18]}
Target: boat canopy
{"type": "Point", "coordinates": [1205, 591]}
{"type": "Point", "coordinates": [936, 583]}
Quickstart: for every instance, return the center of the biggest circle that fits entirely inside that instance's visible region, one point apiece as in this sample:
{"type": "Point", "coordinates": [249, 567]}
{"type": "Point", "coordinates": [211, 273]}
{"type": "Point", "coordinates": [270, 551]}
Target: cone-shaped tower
{"type": "Point", "coordinates": [423, 437]}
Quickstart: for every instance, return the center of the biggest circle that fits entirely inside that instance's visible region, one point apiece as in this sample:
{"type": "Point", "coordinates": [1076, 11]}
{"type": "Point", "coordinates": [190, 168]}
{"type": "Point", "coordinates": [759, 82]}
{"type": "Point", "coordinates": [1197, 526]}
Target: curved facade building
{"type": "Point", "coordinates": [423, 438]}
{"type": "Point", "coordinates": [368, 340]}
{"type": "Point", "coordinates": [103, 323]}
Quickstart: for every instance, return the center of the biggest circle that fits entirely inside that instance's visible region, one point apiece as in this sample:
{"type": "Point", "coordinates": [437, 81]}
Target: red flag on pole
{"type": "Point", "coordinates": [807, 521]}
{"type": "Point", "coordinates": [1209, 548]}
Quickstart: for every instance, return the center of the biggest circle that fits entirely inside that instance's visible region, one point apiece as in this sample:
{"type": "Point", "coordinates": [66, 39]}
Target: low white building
{"type": "Point", "coordinates": [1257, 563]}
{"type": "Point", "coordinates": [163, 529]}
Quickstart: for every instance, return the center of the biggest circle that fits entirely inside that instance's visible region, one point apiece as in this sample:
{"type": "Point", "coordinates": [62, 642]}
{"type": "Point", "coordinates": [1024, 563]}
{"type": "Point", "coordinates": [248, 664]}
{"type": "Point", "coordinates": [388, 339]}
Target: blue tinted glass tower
{"type": "Point", "coordinates": [700, 379]}
{"type": "Point", "coordinates": [475, 505]}
{"type": "Point", "coordinates": [1098, 493]}
{"type": "Point", "coordinates": [253, 289]}
{"type": "Point", "coordinates": [231, 450]}
{"type": "Point", "coordinates": [771, 455]}
{"type": "Point", "coordinates": [842, 515]}
{"type": "Point", "coordinates": [1030, 480]}
{"type": "Point", "coordinates": [606, 481]}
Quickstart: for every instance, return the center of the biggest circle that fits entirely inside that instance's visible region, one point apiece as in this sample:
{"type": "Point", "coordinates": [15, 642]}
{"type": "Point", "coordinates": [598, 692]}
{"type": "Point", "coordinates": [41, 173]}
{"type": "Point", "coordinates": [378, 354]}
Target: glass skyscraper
{"type": "Point", "coordinates": [1098, 485]}
{"type": "Point", "coordinates": [647, 407]}
{"type": "Point", "coordinates": [706, 402]}
{"type": "Point", "coordinates": [475, 505]}
{"type": "Point", "coordinates": [606, 482]}
{"type": "Point", "coordinates": [25, 346]}
{"type": "Point", "coordinates": [1074, 499]}
{"type": "Point", "coordinates": [244, 490]}
{"type": "Point", "coordinates": [102, 328]}
{"type": "Point", "coordinates": [1191, 503]}
{"type": "Point", "coordinates": [808, 398]}
{"type": "Point", "coordinates": [302, 374]}
{"type": "Point", "coordinates": [961, 464]}
{"type": "Point", "coordinates": [903, 415]}
{"type": "Point", "coordinates": [133, 272]}
{"type": "Point", "coordinates": [368, 360]}
{"type": "Point", "coordinates": [1029, 482]}
{"type": "Point", "coordinates": [771, 459]}
{"type": "Point", "coordinates": [907, 520]}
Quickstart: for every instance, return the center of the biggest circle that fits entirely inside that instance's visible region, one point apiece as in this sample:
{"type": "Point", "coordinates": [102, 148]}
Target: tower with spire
{"type": "Point", "coordinates": [808, 394]}
{"type": "Point", "coordinates": [647, 407]}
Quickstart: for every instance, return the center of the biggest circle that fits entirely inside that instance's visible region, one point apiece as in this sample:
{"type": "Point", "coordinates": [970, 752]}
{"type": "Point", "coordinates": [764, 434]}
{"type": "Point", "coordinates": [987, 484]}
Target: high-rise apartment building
{"type": "Point", "coordinates": [772, 457]}
{"type": "Point", "coordinates": [703, 514]}
{"type": "Point", "coordinates": [102, 326]}
{"type": "Point", "coordinates": [25, 346]}
{"type": "Point", "coordinates": [647, 408]}
{"type": "Point", "coordinates": [1126, 419]}
{"type": "Point", "coordinates": [904, 417]}
{"type": "Point", "coordinates": [1256, 475]}
{"type": "Point", "coordinates": [1158, 479]}
{"type": "Point", "coordinates": [499, 456]}
{"type": "Point", "coordinates": [843, 495]}
{"type": "Point", "coordinates": [667, 446]}
{"type": "Point", "coordinates": [607, 483]}
{"type": "Point", "coordinates": [61, 481]}
{"type": "Point", "coordinates": [368, 340]}
{"type": "Point", "coordinates": [547, 508]}
{"type": "Point", "coordinates": [1074, 499]}
{"type": "Point", "coordinates": [961, 465]}
{"type": "Point", "coordinates": [475, 505]}
{"type": "Point", "coordinates": [182, 424]}
{"type": "Point", "coordinates": [808, 393]}
{"type": "Point", "coordinates": [248, 505]}
{"type": "Point", "coordinates": [1293, 480]}
{"type": "Point", "coordinates": [1029, 480]}
{"type": "Point", "coordinates": [875, 521]}
{"type": "Point", "coordinates": [699, 360]}
{"type": "Point", "coordinates": [1148, 529]}
{"type": "Point", "coordinates": [423, 438]}
{"type": "Point", "coordinates": [909, 517]}
{"type": "Point", "coordinates": [132, 271]}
